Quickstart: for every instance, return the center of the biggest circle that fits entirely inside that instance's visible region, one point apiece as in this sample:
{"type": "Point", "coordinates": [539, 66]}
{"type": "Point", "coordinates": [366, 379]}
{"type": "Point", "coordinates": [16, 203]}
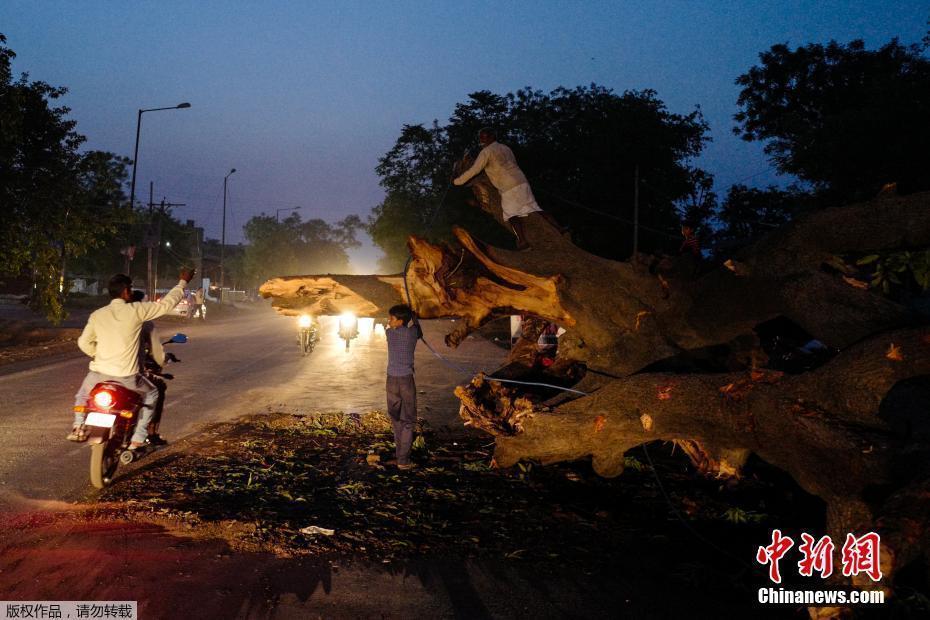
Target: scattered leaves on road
{"type": "Point", "coordinates": [324, 485]}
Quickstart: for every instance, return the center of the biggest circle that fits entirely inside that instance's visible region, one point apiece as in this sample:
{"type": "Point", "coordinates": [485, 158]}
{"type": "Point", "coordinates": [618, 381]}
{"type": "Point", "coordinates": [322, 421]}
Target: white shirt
{"type": "Point", "coordinates": [111, 336]}
{"type": "Point", "coordinates": [499, 164]}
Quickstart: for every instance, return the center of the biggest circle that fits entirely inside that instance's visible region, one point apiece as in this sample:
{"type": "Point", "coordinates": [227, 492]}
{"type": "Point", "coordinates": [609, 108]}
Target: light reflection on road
{"type": "Point", "coordinates": [333, 379]}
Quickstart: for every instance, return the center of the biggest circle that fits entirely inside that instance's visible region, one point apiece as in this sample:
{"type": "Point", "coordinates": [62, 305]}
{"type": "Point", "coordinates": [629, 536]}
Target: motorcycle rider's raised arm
{"type": "Point", "coordinates": [87, 342]}
{"type": "Point", "coordinates": [153, 309]}
{"type": "Point", "coordinates": [147, 311]}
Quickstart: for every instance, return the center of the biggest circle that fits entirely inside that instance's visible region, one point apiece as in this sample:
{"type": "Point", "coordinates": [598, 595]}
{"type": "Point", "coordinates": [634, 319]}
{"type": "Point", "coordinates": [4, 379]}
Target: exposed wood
{"type": "Point", "coordinates": [621, 317]}
{"type": "Point", "coordinates": [333, 294]}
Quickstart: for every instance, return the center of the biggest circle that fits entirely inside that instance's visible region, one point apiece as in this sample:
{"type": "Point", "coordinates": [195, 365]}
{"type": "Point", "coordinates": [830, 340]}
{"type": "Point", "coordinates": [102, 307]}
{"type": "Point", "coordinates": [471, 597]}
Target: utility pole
{"type": "Point", "coordinates": [162, 210]}
{"type": "Point", "coordinates": [151, 238]}
{"type": "Point", "coordinates": [636, 211]}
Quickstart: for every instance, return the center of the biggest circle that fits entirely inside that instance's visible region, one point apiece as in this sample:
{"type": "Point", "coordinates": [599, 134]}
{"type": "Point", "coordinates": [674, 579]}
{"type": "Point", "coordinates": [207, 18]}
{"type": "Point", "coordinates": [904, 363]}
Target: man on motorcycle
{"type": "Point", "coordinates": [112, 339]}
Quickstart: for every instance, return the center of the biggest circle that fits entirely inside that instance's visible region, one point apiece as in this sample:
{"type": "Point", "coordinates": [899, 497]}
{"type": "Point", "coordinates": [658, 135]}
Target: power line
{"type": "Point", "coordinates": [577, 204]}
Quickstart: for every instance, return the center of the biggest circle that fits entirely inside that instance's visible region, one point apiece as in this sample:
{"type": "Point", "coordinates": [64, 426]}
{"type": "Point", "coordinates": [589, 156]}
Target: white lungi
{"type": "Point", "coordinates": [518, 202]}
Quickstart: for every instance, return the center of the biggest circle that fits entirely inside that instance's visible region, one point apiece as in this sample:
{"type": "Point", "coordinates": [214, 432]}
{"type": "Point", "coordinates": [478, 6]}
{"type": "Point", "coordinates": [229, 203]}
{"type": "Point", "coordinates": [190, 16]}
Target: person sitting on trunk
{"type": "Point", "coordinates": [517, 200]}
{"type": "Point", "coordinates": [112, 339]}
{"type": "Point", "coordinates": [690, 251]}
{"type": "Point", "coordinates": [400, 386]}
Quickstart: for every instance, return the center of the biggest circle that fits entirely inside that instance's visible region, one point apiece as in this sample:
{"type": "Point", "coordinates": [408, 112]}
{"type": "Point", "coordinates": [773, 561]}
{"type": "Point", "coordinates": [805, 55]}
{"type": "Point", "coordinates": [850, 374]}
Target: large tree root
{"type": "Point", "coordinates": [820, 427]}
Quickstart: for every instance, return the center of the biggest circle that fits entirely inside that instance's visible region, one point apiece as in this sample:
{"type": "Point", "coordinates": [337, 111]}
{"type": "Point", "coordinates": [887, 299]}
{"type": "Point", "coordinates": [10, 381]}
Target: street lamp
{"type": "Point", "coordinates": [223, 241]}
{"type": "Point", "coordinates": [277, 211]}
{"type": "Point", "coordinates": [135, 154]}
{"type": "Point", "coordinates": [132, 187]}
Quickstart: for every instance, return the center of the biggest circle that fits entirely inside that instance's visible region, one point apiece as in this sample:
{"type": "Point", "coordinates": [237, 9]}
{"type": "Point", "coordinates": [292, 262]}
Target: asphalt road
{"type": "Point", "coordinates": [240, 364]}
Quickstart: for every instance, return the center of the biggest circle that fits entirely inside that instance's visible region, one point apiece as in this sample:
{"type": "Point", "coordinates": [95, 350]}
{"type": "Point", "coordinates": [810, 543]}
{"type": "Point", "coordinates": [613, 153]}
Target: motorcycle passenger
{"type": "Point", "coordinates": [112, 339]}
{"type": "Point", "coordinates": [151, 362]}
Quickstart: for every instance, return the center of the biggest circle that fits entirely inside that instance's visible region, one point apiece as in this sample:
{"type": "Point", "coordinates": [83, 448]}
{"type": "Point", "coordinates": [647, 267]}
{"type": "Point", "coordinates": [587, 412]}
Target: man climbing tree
{"type": "Point", "coordinates": [517, 200]}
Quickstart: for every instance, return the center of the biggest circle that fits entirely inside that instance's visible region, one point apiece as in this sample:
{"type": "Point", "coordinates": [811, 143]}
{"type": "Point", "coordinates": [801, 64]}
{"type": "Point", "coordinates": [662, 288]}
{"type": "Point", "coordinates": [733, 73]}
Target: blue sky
{"type": "Point", "coordinates": [303, 97]}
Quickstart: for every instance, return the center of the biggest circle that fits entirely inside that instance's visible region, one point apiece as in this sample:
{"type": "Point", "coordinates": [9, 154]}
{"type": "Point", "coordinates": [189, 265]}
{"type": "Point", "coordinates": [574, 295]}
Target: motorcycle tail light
{"type": "Point", "coordinates": [103, 399]}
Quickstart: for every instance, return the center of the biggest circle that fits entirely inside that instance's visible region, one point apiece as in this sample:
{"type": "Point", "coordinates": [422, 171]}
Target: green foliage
{"type": "Point", "coordinates": [633, 464]}
{"type": "Point", "coordinates": [524, 469]}
{"type": "Point", "coordinates": [747, 213]}
{"type": "Point", "coordinates": [294, 247]}
{"type": "Point", "coordinates": [843, 118]}
{"type": "Point", "coordinates": [58, 202]}
{"type": "Point", "coordinates": [577, 147]}
{"type": "Point", "coordinates": [898, 268]}
{"type": "Point", "coordinates": [477, 466]}
{"type": "Point", "coordinates": [896, 274]}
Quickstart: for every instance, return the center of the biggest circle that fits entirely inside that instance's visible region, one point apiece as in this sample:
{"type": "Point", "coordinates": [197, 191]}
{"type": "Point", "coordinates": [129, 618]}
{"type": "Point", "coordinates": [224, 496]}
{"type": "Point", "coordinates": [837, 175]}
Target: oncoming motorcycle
{"type": "Point", "coordinates": [306, 333]}
{"type": "Point", "coordinates": [111, 415]}
{"type": "Point", "coordinates": [348, 327]}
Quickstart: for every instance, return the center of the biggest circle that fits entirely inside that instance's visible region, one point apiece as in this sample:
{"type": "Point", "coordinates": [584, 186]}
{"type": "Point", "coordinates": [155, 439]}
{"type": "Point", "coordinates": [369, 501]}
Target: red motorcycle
{"type": "Point", "coordinates": [111, 415]}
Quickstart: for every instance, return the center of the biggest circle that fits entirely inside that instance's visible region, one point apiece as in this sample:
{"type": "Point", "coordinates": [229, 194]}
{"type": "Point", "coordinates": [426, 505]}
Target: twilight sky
{"type": "Point", "coordinates": [303, 97]}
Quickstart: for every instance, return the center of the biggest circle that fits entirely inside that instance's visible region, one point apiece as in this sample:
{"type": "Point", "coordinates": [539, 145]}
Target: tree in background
{"type": "Point", "coordinates": [579, 149]}
{"type": "Point", "coordinates": [748, 213]}
{"type": "Point", "coordinates": [58, 203]}
{"type": "Point", "coordinates": [845, 119]}
{"type": "Point", "coordinates": [293, 246]}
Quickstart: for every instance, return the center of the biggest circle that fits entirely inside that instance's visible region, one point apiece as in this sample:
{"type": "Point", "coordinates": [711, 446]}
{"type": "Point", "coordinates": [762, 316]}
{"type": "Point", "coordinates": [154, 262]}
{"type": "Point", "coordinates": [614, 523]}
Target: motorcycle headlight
{"type": "Point", "coordinates": [305, 320]}
{"type": "Point", "coordinates": [347, 320]}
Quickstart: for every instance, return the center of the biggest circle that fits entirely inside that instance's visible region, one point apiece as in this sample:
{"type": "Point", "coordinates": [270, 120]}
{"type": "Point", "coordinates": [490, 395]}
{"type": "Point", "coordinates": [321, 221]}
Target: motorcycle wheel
{"type": "Point", "coordinates": [103, 465]}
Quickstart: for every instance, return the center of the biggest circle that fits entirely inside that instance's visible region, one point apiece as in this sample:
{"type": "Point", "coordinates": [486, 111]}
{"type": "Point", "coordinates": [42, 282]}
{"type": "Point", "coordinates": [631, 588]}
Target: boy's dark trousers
{"type": "Point", "coordinates": [402, 408]}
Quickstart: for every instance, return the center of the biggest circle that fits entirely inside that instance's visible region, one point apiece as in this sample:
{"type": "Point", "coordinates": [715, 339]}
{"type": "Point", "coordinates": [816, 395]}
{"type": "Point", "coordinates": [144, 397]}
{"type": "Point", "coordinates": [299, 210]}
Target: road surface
{"type": "Point", "coordinates": [245, 363]}
{"type": "Point", "coordinates": [249, 363]}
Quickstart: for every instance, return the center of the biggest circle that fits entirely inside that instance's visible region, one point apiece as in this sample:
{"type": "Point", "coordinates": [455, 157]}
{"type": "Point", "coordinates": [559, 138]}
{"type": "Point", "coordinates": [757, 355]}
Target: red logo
{"type": "Point", "coordinates": [817, 556]}
{"type": "Point", "coordinates": [773, 553]}
{"type": "Point", "coordinates": [859, 555]}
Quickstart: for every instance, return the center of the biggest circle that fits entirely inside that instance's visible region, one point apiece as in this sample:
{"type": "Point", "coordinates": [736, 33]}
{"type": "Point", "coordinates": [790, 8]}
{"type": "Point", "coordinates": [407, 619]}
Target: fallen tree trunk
{"type": "Point", "coordinates": [627, 321]}
{"type": "Point", "coordinates": [622, 317]}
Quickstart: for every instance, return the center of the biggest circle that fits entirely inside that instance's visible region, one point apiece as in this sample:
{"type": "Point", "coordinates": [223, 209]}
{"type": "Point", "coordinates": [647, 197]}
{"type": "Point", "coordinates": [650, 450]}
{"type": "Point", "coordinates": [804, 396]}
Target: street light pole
{"type": "Point", "coordinates": [278, 211]}
{"type": "Point", "coordinates": [135, 153]}
{"type": "Point", "coordinates": [149, 284]}
{"type": "Point", "coordinates": [223, 241]}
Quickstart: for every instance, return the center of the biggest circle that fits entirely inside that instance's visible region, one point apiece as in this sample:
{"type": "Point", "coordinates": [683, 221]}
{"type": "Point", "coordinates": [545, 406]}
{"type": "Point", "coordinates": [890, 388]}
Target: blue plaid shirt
{"type": "Point", "coordinates": [402, 341]}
